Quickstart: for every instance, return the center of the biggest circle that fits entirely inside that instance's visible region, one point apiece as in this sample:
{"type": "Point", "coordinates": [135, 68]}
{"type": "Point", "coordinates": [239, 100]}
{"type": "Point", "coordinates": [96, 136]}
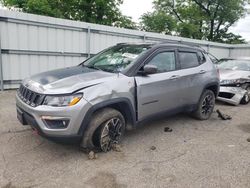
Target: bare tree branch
{"type": "Point", "coordinates": [202, 7]}
{"type": "Point", "coordinates": [177, 15]}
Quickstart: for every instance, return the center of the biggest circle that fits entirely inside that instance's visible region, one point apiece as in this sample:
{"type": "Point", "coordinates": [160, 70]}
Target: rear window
{"type": "Point", "coordinates": [201, 57]}
{"type": "Point", "coordinates": [188, 60]}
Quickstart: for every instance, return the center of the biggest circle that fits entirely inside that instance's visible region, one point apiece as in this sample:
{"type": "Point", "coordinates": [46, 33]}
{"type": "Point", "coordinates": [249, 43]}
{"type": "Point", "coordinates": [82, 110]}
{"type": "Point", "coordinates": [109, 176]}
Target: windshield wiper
{"type": "Point", "coordinates": [92, 67]}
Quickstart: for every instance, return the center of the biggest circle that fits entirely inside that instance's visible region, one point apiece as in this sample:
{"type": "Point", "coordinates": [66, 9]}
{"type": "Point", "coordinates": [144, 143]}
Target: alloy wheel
{"type": "Point", "coordinates": [207, 105]}
{"type": "Point", "coordinates": [110, 134]}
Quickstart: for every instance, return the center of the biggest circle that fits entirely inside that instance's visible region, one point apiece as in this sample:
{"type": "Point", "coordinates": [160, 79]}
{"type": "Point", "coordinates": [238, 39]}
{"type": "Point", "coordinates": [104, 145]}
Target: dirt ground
{"type": "Point", "coordinates": [211, 153]}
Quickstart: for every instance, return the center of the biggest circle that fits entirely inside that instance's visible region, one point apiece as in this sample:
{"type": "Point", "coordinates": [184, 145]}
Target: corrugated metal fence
{"type": "Point", "coordinates": [30, 44]}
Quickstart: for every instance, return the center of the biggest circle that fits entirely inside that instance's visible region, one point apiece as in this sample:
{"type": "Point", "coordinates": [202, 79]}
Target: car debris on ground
{"type": "Point", "coordinates": [116, 147]}
{"type": "Point", "coordinates": [223, 116]}
{"type": "Point", "coordinates": [153, 148]}
{"type": "Point", "coordinates": [167, 129]}
{"type": "Point", "coordinates": [92, 155]}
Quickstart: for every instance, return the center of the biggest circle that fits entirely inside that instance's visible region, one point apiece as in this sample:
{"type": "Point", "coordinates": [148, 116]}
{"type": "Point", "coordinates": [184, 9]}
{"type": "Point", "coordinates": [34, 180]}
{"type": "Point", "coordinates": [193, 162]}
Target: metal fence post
{"type": "Point", "coordinates": [1, 65]}
{"type": "Point", "coordinates": [88, 41]}
{"type": "Point", "coordinates": [208, 48]}
{"type": "Point", "coordinates": [230, 52]}
{"type": "Point", "coordinates": [144, 38]}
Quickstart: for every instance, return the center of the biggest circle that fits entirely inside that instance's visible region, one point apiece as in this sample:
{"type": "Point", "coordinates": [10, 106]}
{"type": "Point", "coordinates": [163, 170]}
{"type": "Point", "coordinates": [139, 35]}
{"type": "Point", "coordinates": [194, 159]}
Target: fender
{"type": "Point", "coordinates": [212, 84]}
{"type": "Point", "coordinates": [118, 103]}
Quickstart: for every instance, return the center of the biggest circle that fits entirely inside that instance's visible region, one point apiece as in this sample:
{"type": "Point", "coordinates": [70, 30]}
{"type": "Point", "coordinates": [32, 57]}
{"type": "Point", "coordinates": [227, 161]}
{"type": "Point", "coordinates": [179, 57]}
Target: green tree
{"type": "Point", "coordinates": [158, 22]}
{"type": "Point", "coordinates": [104, 12]}
{"type": "Point", "coordinates": [202, 19]}
{"type": "Point", "coordinates": [125, 22]}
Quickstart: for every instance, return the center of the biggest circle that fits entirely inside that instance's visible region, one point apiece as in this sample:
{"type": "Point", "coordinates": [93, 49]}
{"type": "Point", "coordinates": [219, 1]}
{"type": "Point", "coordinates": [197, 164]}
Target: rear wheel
{"type": "Point", "coordinates": [105, 129]}
{"type": "Point", "coordinates": [246, 97]}
{"type": "Point", "coordinates": [205, 106]}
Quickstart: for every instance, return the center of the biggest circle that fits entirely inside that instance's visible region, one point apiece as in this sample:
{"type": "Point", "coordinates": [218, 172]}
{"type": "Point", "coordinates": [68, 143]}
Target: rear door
{"type": "Point", "coordinates": [192, 74]}
{"type": "Point", "coordinates": [159, 92]}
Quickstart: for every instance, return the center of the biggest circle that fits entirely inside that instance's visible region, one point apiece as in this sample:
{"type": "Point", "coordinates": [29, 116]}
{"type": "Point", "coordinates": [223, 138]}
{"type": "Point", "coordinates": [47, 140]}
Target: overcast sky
{"type": "Point", "coordinates": [135, 8]}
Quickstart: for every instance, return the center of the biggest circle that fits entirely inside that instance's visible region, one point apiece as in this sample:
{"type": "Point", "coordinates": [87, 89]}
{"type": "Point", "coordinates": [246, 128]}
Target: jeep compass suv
{"type": "Point", "coordinates": [96, 101]}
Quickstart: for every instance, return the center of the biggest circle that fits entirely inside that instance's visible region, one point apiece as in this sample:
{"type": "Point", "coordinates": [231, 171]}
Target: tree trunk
{"type": "Point", "coordinates": [211, 34]}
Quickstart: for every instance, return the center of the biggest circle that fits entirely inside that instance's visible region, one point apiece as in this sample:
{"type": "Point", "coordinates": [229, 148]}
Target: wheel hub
{"type": "Point", "coordinates": [111, 134]}
{"type": "Point", "coordinates": [207, 105]}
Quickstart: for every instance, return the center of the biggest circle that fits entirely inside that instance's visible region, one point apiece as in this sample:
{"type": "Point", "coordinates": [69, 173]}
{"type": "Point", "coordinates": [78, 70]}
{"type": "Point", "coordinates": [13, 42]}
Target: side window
{"type": "Point", "coordinates": [164, 61]}
{"type": "Point", "coordinates": [188, 59]}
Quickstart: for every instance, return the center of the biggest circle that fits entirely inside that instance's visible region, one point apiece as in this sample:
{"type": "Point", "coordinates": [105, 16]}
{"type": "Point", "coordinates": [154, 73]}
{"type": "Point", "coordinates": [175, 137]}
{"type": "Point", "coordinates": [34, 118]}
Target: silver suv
{"type": "Point", "coordinates": [96, 101]}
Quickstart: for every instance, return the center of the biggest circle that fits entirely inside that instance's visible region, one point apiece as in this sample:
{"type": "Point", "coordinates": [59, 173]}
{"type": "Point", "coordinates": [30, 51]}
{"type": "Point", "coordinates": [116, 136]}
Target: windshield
{"type": "Point", "coordinates": [243, 65]}
{"type": "Point", "coordinates": [117, 58]}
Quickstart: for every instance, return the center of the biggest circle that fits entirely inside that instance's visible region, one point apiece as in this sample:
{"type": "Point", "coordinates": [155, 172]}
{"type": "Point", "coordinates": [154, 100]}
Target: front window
{"type": "Point", "coordinates": [243, 65]}
{"type": "Point", "coordinates": [164, 61]}
{"type": "Point", "coordinates": [117, 58]}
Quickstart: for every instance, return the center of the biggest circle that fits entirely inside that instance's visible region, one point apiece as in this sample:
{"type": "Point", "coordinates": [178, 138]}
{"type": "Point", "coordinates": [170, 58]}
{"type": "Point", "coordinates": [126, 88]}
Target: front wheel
{"type": "Point", "coordinates": [205, 106]}
{"type": "Point", "coordinates": [246, 97]}
{"type": "Point", "coordinates": [110, 133]}
{"type": "Point", "coordinates": [105, 129]}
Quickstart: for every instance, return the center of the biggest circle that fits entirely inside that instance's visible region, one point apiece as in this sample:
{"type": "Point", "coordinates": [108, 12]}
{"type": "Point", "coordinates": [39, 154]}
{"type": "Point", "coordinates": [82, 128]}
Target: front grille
{"type": "Point", "coordinates": [30, 97]}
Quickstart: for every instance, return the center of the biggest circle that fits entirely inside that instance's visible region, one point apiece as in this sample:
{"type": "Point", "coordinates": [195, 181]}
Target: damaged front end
{"type": "Point", "coordinates": [234, 91]}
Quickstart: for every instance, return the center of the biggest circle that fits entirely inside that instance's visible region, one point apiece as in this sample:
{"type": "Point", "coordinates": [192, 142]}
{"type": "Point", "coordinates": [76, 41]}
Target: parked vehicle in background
{"type": "Point", "coordinates": [117, 89]}
{"type": "Point", "coordinates": [234, 80]}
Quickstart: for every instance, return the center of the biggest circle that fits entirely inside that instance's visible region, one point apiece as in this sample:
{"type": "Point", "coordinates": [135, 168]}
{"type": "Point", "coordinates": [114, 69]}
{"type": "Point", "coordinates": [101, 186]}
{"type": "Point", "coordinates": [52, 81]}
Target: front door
{"type": "Point", "coordinates": [159, 92]}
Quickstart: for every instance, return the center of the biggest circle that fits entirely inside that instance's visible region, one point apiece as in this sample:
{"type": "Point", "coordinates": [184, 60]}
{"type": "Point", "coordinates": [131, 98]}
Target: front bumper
{"type": "Point", "coordinates": [231, 95]}
{"type": "Point", "coordinates": [33, 117]}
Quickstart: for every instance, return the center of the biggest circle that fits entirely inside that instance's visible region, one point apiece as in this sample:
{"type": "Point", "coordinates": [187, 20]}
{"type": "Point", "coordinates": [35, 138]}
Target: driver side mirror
{"type": "Point", "coordinates": [149, 69]}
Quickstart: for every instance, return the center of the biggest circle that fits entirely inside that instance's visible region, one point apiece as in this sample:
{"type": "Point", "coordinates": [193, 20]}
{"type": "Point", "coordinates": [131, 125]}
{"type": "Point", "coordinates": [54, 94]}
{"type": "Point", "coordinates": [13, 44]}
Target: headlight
{"type": "Point", "coordinates": [234, 81]}
{"type": "Point", "coordinates": [60, 101]}
{"type": "Point", "coordinates": [227, 82]}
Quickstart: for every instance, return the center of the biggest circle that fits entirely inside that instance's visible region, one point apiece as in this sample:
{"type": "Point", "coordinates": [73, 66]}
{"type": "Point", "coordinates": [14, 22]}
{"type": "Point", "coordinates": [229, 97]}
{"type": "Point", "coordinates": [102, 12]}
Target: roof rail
{"type": "Point", "coordinates": [183, 42]}
{"type": "Point", "coordinates": [170, 41]}
{"type": "Point", "coordinates": [125, 43]}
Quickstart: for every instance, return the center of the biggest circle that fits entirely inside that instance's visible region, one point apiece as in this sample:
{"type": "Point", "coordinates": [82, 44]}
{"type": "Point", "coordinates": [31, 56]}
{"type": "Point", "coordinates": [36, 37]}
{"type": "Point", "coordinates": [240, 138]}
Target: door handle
{"type": "Point", "coordinates": [174, 77]}
{"type": "Point", "coordinates": [202, 72]}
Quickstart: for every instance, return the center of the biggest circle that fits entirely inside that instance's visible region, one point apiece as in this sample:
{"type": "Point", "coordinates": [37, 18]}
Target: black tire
{"type": "Point", "coordinates": [205, 106]}
{"type": "Point", "coordinates": [246, 97]}
{"type": "Point", "coordinates": [101, 121]}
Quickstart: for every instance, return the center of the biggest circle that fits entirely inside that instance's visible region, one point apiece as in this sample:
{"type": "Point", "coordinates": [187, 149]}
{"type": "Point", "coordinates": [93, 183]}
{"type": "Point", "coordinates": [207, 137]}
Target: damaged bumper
{"type": "Point", "coordinates": [42, 117]}
{"type": "Point", "coordinates": [231, 95]}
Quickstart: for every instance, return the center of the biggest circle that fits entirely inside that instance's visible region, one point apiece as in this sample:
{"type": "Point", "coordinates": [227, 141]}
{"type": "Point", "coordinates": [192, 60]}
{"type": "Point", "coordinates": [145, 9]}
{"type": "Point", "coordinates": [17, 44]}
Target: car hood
{"type": "Point", "coordinates": [233, 74]}
{"type": "Point", "coordinates": [66, 80]}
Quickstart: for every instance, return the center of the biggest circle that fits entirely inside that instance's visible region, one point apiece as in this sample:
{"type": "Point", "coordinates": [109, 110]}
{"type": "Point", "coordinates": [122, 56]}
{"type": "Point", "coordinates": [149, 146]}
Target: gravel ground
{"type": "Point", "coordinates": [211, 153]}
